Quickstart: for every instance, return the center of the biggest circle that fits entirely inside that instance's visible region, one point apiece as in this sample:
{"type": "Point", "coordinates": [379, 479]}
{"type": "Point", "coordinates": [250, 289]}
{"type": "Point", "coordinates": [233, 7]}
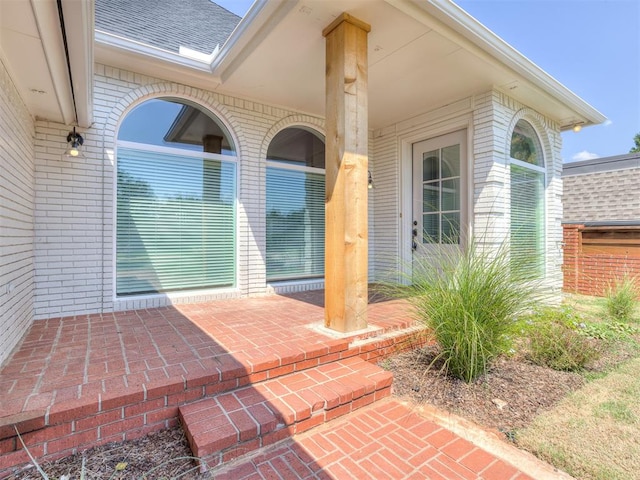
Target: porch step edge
{"type": "Point", "coordinates": [232, 424]}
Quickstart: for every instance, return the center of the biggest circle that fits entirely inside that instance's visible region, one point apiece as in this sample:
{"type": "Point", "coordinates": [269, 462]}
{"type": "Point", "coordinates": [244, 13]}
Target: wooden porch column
{"type": "Point", "coordinates": [346, 167]}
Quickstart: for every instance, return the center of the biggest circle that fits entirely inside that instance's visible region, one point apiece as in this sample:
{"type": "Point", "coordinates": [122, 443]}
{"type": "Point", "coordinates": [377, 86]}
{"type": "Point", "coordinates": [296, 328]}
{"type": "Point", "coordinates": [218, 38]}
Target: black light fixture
{"type": "Point", "coordinates": [74, 141]}
{"type": "Point", "coordinates": [369, 180]}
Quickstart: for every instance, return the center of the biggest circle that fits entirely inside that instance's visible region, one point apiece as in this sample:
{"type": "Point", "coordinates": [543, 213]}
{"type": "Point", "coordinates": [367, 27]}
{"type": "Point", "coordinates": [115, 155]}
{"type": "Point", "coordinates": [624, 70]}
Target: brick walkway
{"type": "Point", "coordinates": [388, 440]}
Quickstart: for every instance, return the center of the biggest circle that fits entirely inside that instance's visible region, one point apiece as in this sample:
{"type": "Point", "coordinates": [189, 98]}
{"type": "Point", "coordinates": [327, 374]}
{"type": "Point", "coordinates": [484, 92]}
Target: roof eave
{"type": "Point", "coordinates": [258, 22]}
{"type": "Point", "coordinates": [120, 51]}
{"type": "Point", "coordinates": [484, 39]}
{"type": "Point", "coordinates": [48, 24]}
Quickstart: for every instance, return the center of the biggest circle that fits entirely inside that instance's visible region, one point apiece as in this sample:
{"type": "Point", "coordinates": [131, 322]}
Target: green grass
{"type": "Point", "coordinates": [594, 433]}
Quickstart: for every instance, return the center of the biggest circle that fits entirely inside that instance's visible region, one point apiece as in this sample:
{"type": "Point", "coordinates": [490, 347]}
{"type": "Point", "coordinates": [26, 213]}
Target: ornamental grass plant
{"type": "Point", "coordinates": [622, 299]}
{"type": "Point", "coordinates": [469, 299]}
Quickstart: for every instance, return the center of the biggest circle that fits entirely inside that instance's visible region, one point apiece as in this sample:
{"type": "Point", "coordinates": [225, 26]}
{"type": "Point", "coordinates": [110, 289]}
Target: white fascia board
{"type": "Point", "coordinates": [160, 55]}
{"type": "Point", "coordinates": [484, 39]}
{"type": "Point", "coordinates": [79, 24]}
{"type": "Point", "coordinates": [48, 24]}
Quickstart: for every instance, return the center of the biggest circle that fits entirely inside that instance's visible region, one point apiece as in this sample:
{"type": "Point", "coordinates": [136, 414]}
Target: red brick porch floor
{"type": "Point", "coordinates": [92, 379]}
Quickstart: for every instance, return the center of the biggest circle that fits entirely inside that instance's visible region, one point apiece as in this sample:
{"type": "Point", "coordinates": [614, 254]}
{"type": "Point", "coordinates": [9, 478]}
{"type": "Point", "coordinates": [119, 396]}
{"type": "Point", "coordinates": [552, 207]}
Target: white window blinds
{"type": "Point", "coordinates": [175, 222]}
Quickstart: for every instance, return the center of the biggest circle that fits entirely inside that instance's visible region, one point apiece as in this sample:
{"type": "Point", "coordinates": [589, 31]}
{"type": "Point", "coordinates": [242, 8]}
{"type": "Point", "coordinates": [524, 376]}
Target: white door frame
{"type": "Point", "coordinates": [405, 146]}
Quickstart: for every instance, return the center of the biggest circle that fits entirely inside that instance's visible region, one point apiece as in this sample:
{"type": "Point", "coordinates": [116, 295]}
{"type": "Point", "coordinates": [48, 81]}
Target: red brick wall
{"type": "Point", "coordinates": [591, 273]}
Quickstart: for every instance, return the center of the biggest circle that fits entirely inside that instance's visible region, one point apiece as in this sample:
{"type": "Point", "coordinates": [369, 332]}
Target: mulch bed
{"type": "Point", "coordinates": [137, 459]}
{"type": "Point", "coordinates": [507, 397]}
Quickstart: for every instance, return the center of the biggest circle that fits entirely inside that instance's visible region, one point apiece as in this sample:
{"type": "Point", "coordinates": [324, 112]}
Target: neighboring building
{"type": "Point", "coordinates": [203, 168]}
{"type": "Point", "coordinates": [601, 202]}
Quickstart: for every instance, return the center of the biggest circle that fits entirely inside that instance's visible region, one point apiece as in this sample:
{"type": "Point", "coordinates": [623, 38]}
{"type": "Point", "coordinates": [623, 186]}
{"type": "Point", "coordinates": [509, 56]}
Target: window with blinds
{"type": "Point", "coordinates": [176, 195]}
{"type": "Point", "coordinates": [295, 206]}
{"type": "Point", "coordinates": [527, 200]}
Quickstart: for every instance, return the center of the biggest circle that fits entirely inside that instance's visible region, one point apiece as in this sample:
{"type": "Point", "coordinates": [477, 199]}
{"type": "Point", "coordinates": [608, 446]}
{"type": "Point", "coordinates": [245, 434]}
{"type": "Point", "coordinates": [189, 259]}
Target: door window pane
{"type": "Point", "coordinates": [451, 228]}
{"type": "Point", "coordinates": [431, 228]}
{"type": "Point", "coordinates": [451, 161]}
{"type": "Point", "coordinates": [451, 194]}
{"type": "Point", "coordinates": [431, 166]}
{"type": "Point", "coordinates": [431, 197]}
{"type": "Point", "coordinates": [441, 195]}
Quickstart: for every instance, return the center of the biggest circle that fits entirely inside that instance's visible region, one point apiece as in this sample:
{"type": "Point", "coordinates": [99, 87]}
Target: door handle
{"type": "Point", "coordinates": [414, 234]}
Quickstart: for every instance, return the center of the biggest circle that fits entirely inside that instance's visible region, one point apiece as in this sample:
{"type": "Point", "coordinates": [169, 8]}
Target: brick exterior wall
{"type": "Point", "coordinates": [592, 273]}
{"type": "Point", "coordinates": [603, 192]}
{"type": "Point", "coordinates": [16, 216]}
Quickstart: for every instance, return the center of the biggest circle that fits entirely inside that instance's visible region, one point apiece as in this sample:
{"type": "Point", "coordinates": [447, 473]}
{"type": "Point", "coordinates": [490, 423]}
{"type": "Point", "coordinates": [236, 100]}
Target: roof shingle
{"type": "Point", "coordinates": [200, 25]}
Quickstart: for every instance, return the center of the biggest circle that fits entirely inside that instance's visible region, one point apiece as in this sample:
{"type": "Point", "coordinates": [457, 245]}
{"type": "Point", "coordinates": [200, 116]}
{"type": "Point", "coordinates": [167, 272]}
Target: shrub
{"type": "Point", "coordinates": [621, 299]}
{"type": "Point", "coordinates": [469, 299]}
{"type": "Point", "coordinates": [556, 345]}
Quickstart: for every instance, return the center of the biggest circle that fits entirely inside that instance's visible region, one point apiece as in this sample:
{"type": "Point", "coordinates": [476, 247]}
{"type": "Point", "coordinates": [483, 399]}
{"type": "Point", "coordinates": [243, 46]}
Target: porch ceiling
{"type": "Point", "coordinates": [412, 68]}
{"type": "Point", "coordinates": [423, 55]}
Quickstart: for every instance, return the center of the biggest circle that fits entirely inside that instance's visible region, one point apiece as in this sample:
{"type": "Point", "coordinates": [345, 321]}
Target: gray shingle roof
{"type": "Point", "coordinates": [200, 25]}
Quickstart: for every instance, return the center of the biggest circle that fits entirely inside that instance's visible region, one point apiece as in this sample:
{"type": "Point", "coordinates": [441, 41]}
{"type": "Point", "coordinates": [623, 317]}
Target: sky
{"type": "Point", "coordinates": [590, 46]}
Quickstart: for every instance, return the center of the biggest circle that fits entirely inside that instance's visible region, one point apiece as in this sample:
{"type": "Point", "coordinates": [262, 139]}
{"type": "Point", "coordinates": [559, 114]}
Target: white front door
{"type": "Point", "coordinates": [439, 193]}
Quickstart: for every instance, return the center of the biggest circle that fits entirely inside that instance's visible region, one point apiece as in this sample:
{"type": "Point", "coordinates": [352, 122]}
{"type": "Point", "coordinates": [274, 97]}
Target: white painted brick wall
{"type": "Point", "coordinates": [492, 116]}
{"type": "Point", "coordinates": [75, 199]}
{"type": "Point", "coordinates": [16, 216]}
{"type": "Point", "coordinates": [385, 198]}
{"type": "Point", "coordinates": [491, 142]}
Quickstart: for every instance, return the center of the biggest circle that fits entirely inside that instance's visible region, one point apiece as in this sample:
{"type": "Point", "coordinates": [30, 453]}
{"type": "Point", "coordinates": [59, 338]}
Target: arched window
{"type": "Point", "coordinates": [176, 195]}
{"type": "Point", "coordinates": [295, 205]}
{"type": "Point", "coordinates": [527, 199]}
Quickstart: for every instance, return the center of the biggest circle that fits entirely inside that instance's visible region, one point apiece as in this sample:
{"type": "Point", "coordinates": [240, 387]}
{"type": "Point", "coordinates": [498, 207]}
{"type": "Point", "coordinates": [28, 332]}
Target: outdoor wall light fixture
{"type": "Point", "coordinates": [74, 141]}
{"type": "Point", "coordinates": [577, 127]}
{"type": "Point", "coordinates": [369, 180]}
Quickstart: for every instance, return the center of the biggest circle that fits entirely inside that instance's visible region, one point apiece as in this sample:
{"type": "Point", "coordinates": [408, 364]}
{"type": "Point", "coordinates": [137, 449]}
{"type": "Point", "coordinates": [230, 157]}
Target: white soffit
{"type": "Point", "coordinates": [42, 81]}
{"type": "Point", "coordinates": [32, 50]}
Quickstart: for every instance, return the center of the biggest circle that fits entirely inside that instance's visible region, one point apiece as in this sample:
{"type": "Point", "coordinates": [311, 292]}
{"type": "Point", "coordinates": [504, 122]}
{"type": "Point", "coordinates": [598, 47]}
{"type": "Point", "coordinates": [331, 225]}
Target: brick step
{"type": "Point", "coordinates": [231, 424]}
